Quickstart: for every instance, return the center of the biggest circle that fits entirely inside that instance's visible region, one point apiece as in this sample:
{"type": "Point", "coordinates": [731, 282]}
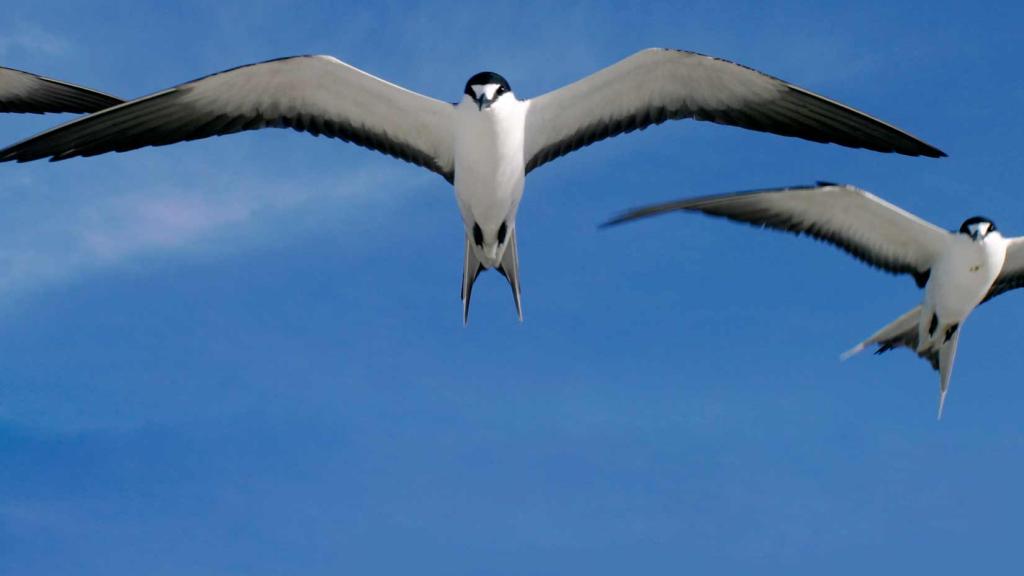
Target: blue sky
{"type": "Point", "coordinates": [245, 355]}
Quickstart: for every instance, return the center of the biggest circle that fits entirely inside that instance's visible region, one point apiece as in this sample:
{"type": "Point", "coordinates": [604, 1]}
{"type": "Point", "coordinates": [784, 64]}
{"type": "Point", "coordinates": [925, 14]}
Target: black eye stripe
{"type": "Point", "coordinates": [502, 231]}
{"type": "Point", "coordinates": [472, 94]}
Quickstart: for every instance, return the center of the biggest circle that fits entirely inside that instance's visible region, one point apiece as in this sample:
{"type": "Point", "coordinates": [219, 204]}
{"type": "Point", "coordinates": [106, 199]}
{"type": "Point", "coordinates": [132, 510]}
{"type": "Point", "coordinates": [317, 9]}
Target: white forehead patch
{"type": "Point", "coordinates": [980, 228]}
{"type": "Point", "coordinates": [487, 90]}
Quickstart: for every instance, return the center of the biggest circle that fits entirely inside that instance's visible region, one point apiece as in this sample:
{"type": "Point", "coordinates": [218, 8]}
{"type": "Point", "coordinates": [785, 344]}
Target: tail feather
{"type": "Point", "coordinates": [509, 268]}
{"type": "Point", "coordinates": [471, 268]}
{"type": "Point", "coordinates": [946, 353]}
{"type": "Point", "coordinates": [899, 332]}
{"type": "Point", "coordinates": [903, 332]}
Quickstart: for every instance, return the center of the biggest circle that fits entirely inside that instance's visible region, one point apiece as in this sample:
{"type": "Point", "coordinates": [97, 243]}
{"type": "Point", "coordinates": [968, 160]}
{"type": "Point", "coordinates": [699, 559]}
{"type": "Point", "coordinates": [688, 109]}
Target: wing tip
{"type": "Point", "coordinates": [694, 203]}
{"type": "Point", "coordinates": [926, 150]}
{"type": "Point", "coordinates": [852, 352]}
{"type": "Point", "coordinates": [616, 220]}
{"type": "Point", "coordinates": [639, 213]}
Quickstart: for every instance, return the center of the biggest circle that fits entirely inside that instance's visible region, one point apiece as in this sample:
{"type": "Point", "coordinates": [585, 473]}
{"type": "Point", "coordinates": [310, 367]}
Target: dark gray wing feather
{"type": "Point", "coordinates": [30, 93]}
{"type": "Point", "coordinates": [659, 84]}
{"type": "Point", "coordinates": [865, 226]}
{"type": "Point", "coordinates": [316, 94]}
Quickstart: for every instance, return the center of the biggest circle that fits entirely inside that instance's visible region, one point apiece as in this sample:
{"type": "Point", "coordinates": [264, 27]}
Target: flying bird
{"type": "Point", "coordinates": [486, 143]}
{"type": "Point", "coordinates": [29, 93]}
{"type": "Point", "coordinates": [958, 270]}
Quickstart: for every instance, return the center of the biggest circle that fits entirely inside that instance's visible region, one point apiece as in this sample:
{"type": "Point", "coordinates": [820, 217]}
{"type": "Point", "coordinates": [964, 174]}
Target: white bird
{"type": "Point", "coordinates": [30, 93]}
{"type": "Point", "coordinates": [958, 270]}
{"type": "Point", "coordinates": [486, 143]}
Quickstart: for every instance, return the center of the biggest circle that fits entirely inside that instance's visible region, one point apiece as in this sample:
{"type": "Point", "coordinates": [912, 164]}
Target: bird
{"type": "Point", "coordinates": [486, 143]}
{"type": "Point", "coordinates": [958, 270]}
{"type": "Point", "coordinates": [24, 92]}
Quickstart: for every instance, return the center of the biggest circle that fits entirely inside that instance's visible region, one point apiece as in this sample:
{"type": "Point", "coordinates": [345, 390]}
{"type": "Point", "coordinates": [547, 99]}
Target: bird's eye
{"type": "Point", "coordinates": [502, 231]}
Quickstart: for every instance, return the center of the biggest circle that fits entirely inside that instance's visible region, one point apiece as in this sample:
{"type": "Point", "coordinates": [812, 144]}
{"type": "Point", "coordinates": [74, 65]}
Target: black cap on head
{"type": "Point", "coordinates": [482, 78]}
{"type": "Point", "coordinates": [965, 227]}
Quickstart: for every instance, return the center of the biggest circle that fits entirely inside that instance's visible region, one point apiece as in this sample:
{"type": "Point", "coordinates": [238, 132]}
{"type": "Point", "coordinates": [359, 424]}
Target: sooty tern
{"type": "Point", "coordinates": [485, 144]}
{"type": "Point", "coordinates": [958, 270]}
{"type": "Point", "coordinates": [29, 93]}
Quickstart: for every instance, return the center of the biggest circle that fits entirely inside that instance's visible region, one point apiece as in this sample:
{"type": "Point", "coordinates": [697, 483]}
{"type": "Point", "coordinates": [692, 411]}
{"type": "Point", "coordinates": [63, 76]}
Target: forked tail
{"type": "Point", "coordinates": [509, 268]}
{"type": "Point", "coordinates": [900, 332]}
{"type": "Point", "coordinates": [471, 268]}
{"type": "Point", "coordinates": [903, 332]}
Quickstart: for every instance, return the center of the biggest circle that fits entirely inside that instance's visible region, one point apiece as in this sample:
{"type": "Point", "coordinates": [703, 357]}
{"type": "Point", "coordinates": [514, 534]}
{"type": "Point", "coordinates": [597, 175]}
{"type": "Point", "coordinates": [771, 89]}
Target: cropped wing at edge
{"type": "Point", "coordinates": [29, 93]}
{"type": "Point", "coordinates": [659, 84]}
{"type": "Point", "coordinates": [865, 226]}
{"type": "Point", "coordinates": [1012, 274]}
{"type": "Point", "coordinates": [315, 94]}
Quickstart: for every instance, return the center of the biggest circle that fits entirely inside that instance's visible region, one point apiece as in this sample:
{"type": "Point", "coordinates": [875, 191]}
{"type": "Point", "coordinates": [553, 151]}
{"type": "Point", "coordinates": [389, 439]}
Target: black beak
{"type": "Point", "coordinates": [482, 102]}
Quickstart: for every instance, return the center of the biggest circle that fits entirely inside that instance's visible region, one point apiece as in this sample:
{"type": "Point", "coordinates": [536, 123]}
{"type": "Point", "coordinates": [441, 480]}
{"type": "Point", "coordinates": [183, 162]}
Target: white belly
{"type": "Point", "coordinates": [489, 166]}
{"type": "Point", "coordinates": [961, 279]}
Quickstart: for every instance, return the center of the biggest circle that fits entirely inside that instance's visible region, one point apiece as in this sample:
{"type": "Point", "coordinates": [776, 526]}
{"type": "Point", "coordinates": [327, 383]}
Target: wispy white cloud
{"type": "Point", "coordinates": [31, 39]}
{"type": "Point", "coordinates": [160, 223]}
{"type": "Point", "coordinates": [57, 237]}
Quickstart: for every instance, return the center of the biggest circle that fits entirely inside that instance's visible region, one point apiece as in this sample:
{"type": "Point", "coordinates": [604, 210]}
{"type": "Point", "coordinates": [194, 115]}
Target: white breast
{"type": "Point", "coordinates": [489, 166]}
{"type": "Point", "coordinates": [962, 277]}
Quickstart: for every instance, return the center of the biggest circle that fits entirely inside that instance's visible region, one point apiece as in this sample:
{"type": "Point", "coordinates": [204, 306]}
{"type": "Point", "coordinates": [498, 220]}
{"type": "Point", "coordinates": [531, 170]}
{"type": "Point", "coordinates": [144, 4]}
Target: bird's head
{"type": "Point", "coordinates": [485, 88]}
{"type": "Point", "coordinates": [978, 227]}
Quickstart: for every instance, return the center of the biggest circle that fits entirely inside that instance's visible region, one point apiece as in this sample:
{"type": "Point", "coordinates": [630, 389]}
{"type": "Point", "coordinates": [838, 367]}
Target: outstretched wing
{"type": "Point", "coordinates": [25, 92]}
{"type": "Point", "coordinates": [1012, 274]}
{"type": "Point", "coordinates": [865, 226]}
{"type": "Point", "coordinates": [315, 94]}
{"type": "Point", "coordinates": [659, 84]}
